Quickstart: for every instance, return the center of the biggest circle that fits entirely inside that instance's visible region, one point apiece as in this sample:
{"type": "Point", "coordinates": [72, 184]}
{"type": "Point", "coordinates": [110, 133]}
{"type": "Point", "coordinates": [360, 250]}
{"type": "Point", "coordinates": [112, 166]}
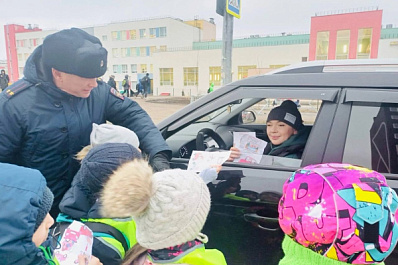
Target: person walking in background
{"type": "Point", "coordinates": [46, 117]}
{"type": "Point", "coordinates": [211, 88]}
{"type": "Point", "coordinates": [146, 83]}
{"type": "Point", "coordinates": [4, 80]}
{"type": "Point", "coordinates": [112, 82]}
{"type": "Point", "coordinates": [126, 85]}
{"type": "Point", "coordinates": [169, 208]}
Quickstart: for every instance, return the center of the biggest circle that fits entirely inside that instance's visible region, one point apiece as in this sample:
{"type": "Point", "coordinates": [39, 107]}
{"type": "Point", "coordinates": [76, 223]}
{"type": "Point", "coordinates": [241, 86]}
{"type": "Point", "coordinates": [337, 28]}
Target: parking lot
{"type": "Point", "coordinates": [161, 107]}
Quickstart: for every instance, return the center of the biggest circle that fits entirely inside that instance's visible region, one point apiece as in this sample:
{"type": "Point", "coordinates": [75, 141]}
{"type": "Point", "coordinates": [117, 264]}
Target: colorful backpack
{"type": "Point", "coordinates": [343, 212]}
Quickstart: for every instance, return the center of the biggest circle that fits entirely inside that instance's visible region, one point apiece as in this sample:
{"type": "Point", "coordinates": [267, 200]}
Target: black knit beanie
{"type": "Point", "coordinates": [44, 207]}
{"type": "Point", "coordinates": [99, 164]}
{"type": "Point", "coordinates": [288, 113]}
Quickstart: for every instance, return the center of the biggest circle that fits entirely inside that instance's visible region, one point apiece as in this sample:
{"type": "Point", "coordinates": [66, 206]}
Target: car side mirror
{"type": "Point", "coordinates": [248, 117]}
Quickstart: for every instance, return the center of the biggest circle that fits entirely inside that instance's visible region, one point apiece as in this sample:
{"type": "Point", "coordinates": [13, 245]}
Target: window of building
{"type": "Point", "coordinates": [152, 49]}
{"type": "Point", "coordinates": [124, 69]}
{"type": "Point", "coordinates": [243, 71]}
{"type": "Point", "coordinates": [163, 48]}
{"type": "Point", "coordinates": [364, 43]}
{"type": "Point", "coordinates": [276, 66]}
{"type": "Point", "coordinates": [162, 32]}
{"type": "Point", "coordinates": [304, 59]}
{"type": "Point", "coordinates": [342, 44]}
{"type": "Point", "coordinates": [373, 127]}
{"type": "Point", "coordinates": [125, 51]}
{"type": "Point", "coordinates": [142, 33]}
{"type": "Point", "coordinates": [133, 34]}
{"type": "Point", "coordinates": [20, 57]}
{"type": "Point", "coordinates": [115, 35]}
{"type": "Point", "coordinates": [137, 51]}
{"type": "Point", "coordinates": [27, 56]}
{"type": "Point", "coordinates": [132, 51]}
{"type": "Point", "coordinates": [104, 37]}
{"type": "Point", "coordinates": [322, 45]}
{"type": "Point", "coordinates": [123, 34]}
{"type": "Point", "coordinates": [215, 75]}
{"type": "Point", "coordinates": [144, 68]}
{"type": "Point", "coordinates": [166, 76]}
{"type": "Point", "coordinates": [152, 32]}
{"type": "Point", "coordinates": [115, 52]}
{"type": "Point", "coordinates": [143, 51]}
{"type": "Point", "coordinates": [191, 76]}
{"type": "Point", "coordinates": [133, 68]}
{"type": "Point", "coordinates": [151, 68]}
{"type": "Point", "coordinates": [117, 69]}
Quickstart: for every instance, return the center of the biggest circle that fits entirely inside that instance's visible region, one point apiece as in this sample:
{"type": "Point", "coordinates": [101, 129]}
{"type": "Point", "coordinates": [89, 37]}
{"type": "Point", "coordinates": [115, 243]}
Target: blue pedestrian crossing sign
{"type": "Point", "coordinates": [233, 8]}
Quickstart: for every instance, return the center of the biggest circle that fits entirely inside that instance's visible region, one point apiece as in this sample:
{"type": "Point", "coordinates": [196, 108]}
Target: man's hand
{"type": "Point", "coordinates": [160, 162]}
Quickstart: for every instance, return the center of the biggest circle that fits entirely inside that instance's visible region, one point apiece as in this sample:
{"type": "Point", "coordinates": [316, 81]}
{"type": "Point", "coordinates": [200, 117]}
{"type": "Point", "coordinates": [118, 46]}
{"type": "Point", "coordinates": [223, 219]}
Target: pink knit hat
{"type": "Point", "coordinates": [340, 211]}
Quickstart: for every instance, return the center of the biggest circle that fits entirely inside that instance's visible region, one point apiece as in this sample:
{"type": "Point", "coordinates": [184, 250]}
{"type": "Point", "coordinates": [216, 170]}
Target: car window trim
{"type": "Point", "coordinates": [371, 95]}
{"type": "Point", "coordinates": [324, 94]}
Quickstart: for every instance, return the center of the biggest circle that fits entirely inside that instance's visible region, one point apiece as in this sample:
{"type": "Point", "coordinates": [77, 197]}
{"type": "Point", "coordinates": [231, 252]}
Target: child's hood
{"type": "Point", "coordinates": [21, 191]}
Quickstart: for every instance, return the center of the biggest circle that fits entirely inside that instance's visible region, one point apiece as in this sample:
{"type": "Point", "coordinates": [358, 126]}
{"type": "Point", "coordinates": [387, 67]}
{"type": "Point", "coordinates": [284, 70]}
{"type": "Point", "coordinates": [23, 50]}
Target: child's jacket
{"type": "Point", "coordinates": [109, 246]}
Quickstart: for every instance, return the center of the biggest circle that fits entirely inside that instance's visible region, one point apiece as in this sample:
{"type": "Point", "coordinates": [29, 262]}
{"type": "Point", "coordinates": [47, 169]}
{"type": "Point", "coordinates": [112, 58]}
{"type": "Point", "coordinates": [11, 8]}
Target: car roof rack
{"type": "Point", "coordinates": [335, 66]}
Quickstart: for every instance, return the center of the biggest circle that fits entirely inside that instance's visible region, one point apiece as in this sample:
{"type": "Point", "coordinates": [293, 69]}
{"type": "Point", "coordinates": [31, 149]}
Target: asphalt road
{"type": "Point", "coordinates": [160, 108]}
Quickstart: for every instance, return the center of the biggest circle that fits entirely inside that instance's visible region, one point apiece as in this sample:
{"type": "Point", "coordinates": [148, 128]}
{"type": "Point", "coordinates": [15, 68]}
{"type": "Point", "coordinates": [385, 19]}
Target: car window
{"type": "Point", "coordinates": [372, 137]}
{"type": "Point", "coordinates": [308, 109]}
{"type": "Point", "coordinates": [223, 111]}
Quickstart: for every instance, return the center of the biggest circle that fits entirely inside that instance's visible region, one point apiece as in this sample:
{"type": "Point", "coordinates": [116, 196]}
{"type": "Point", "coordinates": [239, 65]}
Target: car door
{"type": "Point", "coordinates": [365, 133]}
{"type": "Point", "coordinates": [243, 221]}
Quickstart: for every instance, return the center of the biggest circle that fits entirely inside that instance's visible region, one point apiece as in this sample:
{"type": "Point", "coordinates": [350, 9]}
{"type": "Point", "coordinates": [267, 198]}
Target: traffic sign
{"type": "Point", "coordinates": [233, 8]}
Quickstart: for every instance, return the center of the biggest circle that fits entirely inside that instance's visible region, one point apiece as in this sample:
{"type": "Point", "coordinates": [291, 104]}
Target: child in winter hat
{"type": "Point", "coordinates": [81, 203]}
{"type": "Point", "coordinates": [24, 218]}
{"type": "Point", "coordinates": [285, 131]}
{"type": "Point", "coordinates": [169, 208]}
{"type": "Point", "coordinates": [109, 133]}
{"type": "Point", "coordinates": [336, 214]}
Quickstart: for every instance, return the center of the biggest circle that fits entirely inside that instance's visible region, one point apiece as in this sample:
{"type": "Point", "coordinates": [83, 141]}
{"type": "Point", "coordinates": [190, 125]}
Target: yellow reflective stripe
{"type": "Point", "coordinates": [204, 257]}
{"type": "Point", "coordinates": [125, 226]}
{"type": "Point", "coordinates": [113, 244]}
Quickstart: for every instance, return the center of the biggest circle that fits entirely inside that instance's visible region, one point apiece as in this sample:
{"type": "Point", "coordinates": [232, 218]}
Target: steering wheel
{"type": "Point", "coordinates": [207, 132]}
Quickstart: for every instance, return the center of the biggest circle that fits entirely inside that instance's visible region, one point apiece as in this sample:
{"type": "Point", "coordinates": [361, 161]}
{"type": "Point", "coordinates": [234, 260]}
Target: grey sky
{"type": "Point", "coordinates": [258, 16]}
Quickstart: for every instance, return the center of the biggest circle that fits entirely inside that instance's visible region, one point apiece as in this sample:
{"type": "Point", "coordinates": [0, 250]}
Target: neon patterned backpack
{"type": "Point", "coordinates": [343, 212]}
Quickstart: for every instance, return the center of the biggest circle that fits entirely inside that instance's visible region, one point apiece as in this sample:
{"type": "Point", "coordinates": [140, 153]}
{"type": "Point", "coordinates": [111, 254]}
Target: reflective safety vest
{"type": "Point", "coordinates": [126, 226]}
{"type": "Point", "coordinates": [197, 255]}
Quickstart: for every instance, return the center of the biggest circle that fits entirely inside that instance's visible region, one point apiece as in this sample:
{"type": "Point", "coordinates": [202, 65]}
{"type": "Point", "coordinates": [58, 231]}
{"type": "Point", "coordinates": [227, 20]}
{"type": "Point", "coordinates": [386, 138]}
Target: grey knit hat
{"type": "Point", "coordinates": [109, 133]}
{"type": "Point", "coordinates": [100, 162]}
{"type": "Point", "coordinates": [175, 211]}
{"type": "Point", "coordinates": [44, 207]}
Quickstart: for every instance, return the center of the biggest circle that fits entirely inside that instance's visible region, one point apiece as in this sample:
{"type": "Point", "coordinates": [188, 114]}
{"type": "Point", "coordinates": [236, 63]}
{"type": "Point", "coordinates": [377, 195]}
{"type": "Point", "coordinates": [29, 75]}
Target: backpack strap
{"type": "Point", "coordinates": [96, 228]}
{"type": "Point", "coordinates": [110, 230]}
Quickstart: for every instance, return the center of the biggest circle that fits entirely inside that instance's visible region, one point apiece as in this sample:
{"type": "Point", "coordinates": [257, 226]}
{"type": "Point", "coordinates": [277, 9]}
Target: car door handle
{"type": "Point", "coordinates": [262, 222]}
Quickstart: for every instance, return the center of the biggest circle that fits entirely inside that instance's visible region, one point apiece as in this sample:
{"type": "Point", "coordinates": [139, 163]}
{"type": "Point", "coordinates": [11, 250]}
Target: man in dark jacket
{"type": "Point", "coordinates": [146, 83]}
{"type": "Point", "coordinates": [47, 117]}
{"type": "Point", "coordinates": [111, 81]}
{"type": "Point", "coordinates": [4, 80]}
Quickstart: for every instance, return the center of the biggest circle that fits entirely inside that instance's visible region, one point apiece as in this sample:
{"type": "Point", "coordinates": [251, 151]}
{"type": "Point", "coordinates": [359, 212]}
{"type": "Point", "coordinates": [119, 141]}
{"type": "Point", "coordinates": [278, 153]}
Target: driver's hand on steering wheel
{"type": "Point", "coordinates": [235, 153]}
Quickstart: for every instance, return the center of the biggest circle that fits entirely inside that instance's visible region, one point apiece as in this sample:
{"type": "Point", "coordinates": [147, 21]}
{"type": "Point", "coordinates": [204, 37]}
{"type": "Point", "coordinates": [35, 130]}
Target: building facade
{"type": "Point", "coordinates": [183, 57]}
